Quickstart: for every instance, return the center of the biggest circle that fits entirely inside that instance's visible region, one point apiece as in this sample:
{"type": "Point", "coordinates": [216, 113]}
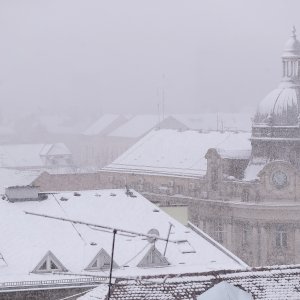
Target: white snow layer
{"type": "Point", "coordinates": [278, 101]}
{"type": "Point", "coordinates": [25, 239]}
{"type": "Point", "coordinates": [29, 155]}
{"type": "Point", "coordinates": [175, 152]}
{"type": "Point", "coordinates": [225, 291]}
{"type": "Point", "coordinates": [102, 123]}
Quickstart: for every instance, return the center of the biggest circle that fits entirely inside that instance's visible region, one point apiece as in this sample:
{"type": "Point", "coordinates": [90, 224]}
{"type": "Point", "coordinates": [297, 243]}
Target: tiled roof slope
{"type": "Point", "coordinates": [274, 283]}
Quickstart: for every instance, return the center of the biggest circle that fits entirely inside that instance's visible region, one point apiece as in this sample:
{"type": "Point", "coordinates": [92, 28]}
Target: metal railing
{"type": "Point", "coordinates": [52, 282]}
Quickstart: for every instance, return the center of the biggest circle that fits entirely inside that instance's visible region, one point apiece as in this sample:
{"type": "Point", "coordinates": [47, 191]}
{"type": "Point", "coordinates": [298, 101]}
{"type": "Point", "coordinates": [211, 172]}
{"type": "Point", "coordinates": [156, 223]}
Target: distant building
{"type": "Point", "coordinates": [111, 135]}
{"type": "Point", "coordinates": [35, 156]}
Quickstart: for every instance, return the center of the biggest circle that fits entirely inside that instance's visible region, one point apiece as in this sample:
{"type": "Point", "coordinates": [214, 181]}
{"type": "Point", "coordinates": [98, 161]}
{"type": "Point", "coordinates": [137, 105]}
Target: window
{"type": "Point", "coordinates": [245, 235]}
{"type": "Point", "coordinates": [281, 237]}
{"type": "Point", "coordinates": [153, 258]}
{"type": "Point", "coordinates": [100, 262]}
{"type": "Point", "coordinates": [48, 264]}
{"type": "Point", "coordinates": [219, 231]}
{"type": "Point", "coordinates": [245, 195]}
{"type": "Point", "coordinates": [214, 179]}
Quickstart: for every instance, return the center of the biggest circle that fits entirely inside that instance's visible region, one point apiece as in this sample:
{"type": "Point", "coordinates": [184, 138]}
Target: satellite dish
{"type": "Point", "coordinates": [152, 231]}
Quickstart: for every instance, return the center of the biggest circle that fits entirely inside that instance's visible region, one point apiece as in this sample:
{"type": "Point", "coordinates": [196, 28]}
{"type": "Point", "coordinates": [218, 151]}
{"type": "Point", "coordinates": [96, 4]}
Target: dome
{"type": "Point", "coordinates": [292, 46]}
{"type": "Point", "coordinates": [280, 107]}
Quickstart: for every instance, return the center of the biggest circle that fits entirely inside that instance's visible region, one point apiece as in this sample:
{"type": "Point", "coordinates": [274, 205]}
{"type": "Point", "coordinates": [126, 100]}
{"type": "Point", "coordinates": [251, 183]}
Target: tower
{"type": "Point", "coordinates": [276, 124]}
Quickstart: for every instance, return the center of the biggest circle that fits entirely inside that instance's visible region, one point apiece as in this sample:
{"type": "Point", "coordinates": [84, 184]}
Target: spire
{"type": "Point", "coordinates": [294, 32]}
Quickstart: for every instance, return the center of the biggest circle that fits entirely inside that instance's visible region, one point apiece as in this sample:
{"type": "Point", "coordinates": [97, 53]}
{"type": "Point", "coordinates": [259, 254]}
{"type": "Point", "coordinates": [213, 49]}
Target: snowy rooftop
{"type": "Point", "coordinates": [274, 283]}
{"type": "Point", "coordinates": [216, 121]}
{"type": "Point", "coordinates": [141, 124]}
{"type": "Point", "coordinates": [137, 126]}
{"type": "Point", "coordinates": [75, 246]}
{"type": "Point", "coordinates": [29, 155]}
{"type": "Point", "coordinates": [105, 122]}
{"type": "Point", "coordinates": [10, 177]}
{"type": "Point", "coordinates": [179, 152]}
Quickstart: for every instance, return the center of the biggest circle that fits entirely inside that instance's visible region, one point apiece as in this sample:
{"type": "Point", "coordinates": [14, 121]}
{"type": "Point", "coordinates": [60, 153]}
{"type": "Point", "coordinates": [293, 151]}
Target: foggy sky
{"type": "Point", "coordinates": [116, 55]}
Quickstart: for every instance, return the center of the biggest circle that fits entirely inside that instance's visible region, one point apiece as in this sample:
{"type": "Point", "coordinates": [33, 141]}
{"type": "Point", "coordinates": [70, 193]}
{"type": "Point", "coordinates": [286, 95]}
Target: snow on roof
{"type": "Point", "coordinates": [234, 154]}
{"type": "Point", "coordinates": [103, 123]}
{"type": "Point", "coordinates": [137, 126]}
{"type": "Point", "coordinates": [29, 155]}
{"type": "Point", "coordinates": [10, 177]}
{"type": "Point", "coordinates": [254, 167]}
{"type": "Point", "coordinates": [174, 152]}
{"type": "Point", "coordinates": [141, 124]}
{"type": "Point", "coordinates": [55, 149]}
{"type": "Point", "coordinates": [225, 291]}
{"type": "Point", "coordinates": [216, 121]}
{"type": "Point", "coordinates": [273, 283]}
{"type": "Point", "coordinates": [76, 246]}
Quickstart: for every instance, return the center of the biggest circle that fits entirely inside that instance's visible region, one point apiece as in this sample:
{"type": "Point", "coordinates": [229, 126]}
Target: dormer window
{"type": "Point", "coordinates": [49, 264]}
{"type": "Point", "coordinates": [153, 258]}
{"type": "Point", "coordinates": [100, 262]}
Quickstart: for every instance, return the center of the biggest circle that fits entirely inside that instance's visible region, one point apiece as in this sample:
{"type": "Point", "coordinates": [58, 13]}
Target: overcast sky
{"type": "Point", "coordinates": [115, 55]}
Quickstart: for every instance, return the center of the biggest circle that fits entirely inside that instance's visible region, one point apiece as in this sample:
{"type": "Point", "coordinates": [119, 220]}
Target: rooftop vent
{"type": "Point", "coordinates": [22, 193]}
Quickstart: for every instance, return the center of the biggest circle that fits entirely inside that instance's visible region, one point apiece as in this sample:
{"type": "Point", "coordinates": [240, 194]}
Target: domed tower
{"type": "Point", "coordinates": [276, 125]}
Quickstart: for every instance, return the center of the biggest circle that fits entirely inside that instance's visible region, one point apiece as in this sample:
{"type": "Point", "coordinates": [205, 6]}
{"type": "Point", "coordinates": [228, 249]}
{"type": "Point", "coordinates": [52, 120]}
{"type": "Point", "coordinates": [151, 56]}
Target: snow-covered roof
{"type": "Point", "coordinates": [234, 154]}
{"type": "Point", "coordinates": [279, 105]}
{"type": "Point", "coordinates": [29, 155]}
{"type": "Point", "coordinates": [75, 246]}
{"type": "Point", "coordinates": [141, 124]}
{"type": "Point", "coordinates": [137, 126]}
{"type": "Point", "coordinates": [272, 283]}
{"type": "Point", "coordinates": [178, 152]}
{"type": "Point", "coordinates": [225, 291]}
{"type": "Point", "coordinates": [255, 165]}
{"type": "Point", "coordinates": [216, 121]}
{"type": "Point", "coordinates": [104, 122]}
{"type": "Point", "coordinates": [11, 177]}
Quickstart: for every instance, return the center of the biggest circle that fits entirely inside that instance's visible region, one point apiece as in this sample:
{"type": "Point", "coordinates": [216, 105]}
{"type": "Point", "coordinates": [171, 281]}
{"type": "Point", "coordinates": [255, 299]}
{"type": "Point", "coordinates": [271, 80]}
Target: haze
{"type": "Point", "coordinates": [98, 56]}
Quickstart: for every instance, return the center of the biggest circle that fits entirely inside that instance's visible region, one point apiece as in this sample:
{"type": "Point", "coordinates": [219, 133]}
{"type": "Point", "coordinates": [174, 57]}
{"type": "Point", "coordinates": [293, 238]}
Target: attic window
{"type": "Point", "coordinates": [48, 264]}
{"type": "Point", "coordinates": [100, 262]}
{"type": "Point", "coordinates": [153, 258]}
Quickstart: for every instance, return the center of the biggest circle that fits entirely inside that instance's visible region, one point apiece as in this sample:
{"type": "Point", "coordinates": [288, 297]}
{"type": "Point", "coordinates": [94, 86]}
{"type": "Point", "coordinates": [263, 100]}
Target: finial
{"type": "Point", "coordinates": [294, 32]}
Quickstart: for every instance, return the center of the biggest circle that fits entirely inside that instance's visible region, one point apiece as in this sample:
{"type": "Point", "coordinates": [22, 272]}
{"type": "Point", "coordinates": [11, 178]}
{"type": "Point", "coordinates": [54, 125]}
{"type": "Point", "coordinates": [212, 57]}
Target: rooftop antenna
{"type": "Point", "coordinates": [294, 31]}
{"type": "Point", "coordinates": [163, 96]}
{"type": "Point", "coordinates": [114, 232]}
{"type": "Point", "coordinates": [2, 258]}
